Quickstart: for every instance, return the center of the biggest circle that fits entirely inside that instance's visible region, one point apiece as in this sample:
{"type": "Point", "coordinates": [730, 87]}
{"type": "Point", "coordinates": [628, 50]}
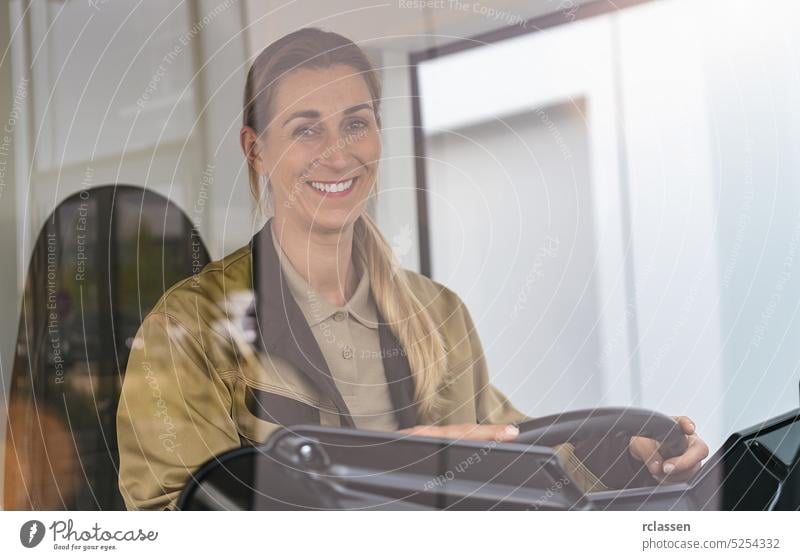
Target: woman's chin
{"type": "Point", "coordinates": [333, 221]}
{"type": "Point", "coordinates": [333, 217]}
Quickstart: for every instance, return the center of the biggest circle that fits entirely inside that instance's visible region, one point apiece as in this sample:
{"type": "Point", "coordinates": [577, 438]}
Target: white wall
{"type": "Point", "coordinates": [672, 211]}
{"type": "Point", "coordinates": [512, 232]}
{"type": "Point", "coordinates": [571, 339]}
{"type": "Point", "coordinates": [703, 101]}
{"type": "Point", "coordinates": [713, 130]}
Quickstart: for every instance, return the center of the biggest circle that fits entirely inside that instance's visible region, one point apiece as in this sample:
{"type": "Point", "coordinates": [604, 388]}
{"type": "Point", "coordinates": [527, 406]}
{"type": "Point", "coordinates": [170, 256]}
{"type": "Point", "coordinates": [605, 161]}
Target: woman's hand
{"type": "Point", "coordinates": [490, 432]}
{"type": "Point", "coordinates": [674, 469]}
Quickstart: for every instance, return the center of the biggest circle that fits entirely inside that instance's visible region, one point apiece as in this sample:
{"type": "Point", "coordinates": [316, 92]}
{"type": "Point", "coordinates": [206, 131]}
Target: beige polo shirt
{"type": "Point", "coordinates": [349, 341]}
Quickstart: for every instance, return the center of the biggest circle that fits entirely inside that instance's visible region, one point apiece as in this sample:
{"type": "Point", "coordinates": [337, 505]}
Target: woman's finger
{"type": "Point", "coordinates": [646, 450]}
{"type": "Point", "coordinates": [696, 452]}
{"type": "Point", "coordinates": [495, 432]}
{"type": "Point", "coordinates": [686, 424]}
{"type": "Point", "coordinates": [492, 432]}
{"type": "Point", "coordinates": [680, 476]}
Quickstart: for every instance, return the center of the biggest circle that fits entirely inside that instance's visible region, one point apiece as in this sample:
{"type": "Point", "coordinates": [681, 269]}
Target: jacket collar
{"type": "Point", "coordinates": [286, 333]}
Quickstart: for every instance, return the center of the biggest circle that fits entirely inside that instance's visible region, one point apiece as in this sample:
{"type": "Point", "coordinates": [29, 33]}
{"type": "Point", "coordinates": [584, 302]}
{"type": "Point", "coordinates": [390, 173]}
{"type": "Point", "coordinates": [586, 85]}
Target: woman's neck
{"type": "Point", "coordinates": [323, 259]}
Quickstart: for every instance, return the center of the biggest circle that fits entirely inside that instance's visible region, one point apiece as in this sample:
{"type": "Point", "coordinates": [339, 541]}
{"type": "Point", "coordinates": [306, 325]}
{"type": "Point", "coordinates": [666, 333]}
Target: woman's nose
{"type": "Point", "coordinates": [337, 153]}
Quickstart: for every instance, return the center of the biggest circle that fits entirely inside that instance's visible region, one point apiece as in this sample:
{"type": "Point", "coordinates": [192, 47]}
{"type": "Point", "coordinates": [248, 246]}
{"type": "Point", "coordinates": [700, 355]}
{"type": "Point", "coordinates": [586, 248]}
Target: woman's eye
{"type": "Point", "coordinates": [358, 125]}
{"type": "Point", "coordinates": [303, 131]}
{"type": "Point", "coordinates": [308, 131]}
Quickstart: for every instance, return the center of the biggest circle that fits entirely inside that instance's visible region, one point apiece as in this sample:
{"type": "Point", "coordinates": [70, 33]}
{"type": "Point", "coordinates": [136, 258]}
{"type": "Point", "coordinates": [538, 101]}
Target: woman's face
{"type": "Point", "coordinates": [321, 149]}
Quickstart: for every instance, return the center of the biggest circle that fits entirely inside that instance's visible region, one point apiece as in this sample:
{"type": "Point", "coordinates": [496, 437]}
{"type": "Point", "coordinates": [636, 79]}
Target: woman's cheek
{"type": "Point", "coordinates": [298, 168]}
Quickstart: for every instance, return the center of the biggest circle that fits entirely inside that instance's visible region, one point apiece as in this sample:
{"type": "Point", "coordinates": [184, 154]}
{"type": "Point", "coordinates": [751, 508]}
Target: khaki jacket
{"type": "Point", "coordinates": [194, 388]}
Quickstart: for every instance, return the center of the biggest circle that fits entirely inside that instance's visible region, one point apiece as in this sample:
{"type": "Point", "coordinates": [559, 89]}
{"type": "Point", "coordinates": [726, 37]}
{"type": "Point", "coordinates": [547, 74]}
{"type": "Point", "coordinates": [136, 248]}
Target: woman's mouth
{"type": "Point", "coordinates": [329, 189]}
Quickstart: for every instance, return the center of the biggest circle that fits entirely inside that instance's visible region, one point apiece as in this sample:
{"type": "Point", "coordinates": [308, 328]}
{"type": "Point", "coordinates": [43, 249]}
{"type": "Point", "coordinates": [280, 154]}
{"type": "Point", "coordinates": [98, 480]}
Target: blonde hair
{"type": "Point", "coordinates": [403, 312]}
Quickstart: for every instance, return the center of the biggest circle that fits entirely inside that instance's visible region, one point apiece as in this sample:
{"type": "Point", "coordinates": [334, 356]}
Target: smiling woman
{"type": "Point", "coordinates": [349, 338]}
{"type": "Point", "coordinates": [311, 136]}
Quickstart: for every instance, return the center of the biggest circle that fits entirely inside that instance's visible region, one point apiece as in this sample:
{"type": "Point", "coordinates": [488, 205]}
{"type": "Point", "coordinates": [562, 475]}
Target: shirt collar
{"type": "Point", "coordinates": [317, 309]}
{"type": "Point", "coordinates": [288, 334]}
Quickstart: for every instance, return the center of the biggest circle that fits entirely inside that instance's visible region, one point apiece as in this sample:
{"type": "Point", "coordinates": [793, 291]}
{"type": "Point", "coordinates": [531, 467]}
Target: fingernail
{"type": "Point", "coordinates": [668, 468]}
{"type": "Point", "coordinates": [512, 430]}
{"type": "Point", "coordinates": [693, 426]}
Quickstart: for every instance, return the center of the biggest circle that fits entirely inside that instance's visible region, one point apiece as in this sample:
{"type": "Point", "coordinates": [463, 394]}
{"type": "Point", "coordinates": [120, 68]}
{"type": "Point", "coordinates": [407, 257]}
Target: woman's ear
{"type": "Point", "coordinates": [252, 147]}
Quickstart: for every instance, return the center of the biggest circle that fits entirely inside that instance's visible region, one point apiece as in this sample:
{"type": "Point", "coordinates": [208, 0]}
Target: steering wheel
{"type": "Point", "coordinates": [596, 423]}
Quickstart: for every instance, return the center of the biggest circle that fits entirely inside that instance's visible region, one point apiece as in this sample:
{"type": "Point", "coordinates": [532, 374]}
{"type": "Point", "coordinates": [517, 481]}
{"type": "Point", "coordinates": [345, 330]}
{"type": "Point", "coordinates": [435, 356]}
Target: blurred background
{"type": "Point", "coordinates": [613, 188]}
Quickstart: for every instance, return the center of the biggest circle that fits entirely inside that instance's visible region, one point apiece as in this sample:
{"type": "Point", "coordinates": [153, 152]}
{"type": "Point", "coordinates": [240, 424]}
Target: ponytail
{"type": "Point", "coordinates": [406, 316]}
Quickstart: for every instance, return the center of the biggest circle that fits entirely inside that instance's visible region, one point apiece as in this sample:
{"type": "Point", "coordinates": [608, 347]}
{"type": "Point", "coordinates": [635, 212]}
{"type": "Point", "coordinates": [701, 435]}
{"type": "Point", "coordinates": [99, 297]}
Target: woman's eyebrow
{"type": "Point", "coordinates": [355, 108]}
{"type": "Point", "coordinates": [314, 114]}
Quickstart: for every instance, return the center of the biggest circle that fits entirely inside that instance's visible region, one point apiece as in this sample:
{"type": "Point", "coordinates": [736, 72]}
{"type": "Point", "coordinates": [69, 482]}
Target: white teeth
{"type": "Point", "coordinates": [332, 187]}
